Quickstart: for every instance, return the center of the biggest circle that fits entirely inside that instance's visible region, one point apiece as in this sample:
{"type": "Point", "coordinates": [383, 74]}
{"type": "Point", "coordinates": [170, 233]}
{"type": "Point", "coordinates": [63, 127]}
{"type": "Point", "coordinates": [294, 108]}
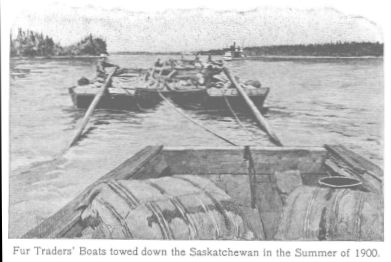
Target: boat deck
{"type": "Point", "coordinates": [275, 190]}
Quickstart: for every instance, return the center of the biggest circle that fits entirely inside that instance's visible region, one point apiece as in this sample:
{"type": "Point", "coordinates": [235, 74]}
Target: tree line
{"type": "Point", "coordinates": [30, 44]}
{"type": "Point", "coordinates": [326, 49]}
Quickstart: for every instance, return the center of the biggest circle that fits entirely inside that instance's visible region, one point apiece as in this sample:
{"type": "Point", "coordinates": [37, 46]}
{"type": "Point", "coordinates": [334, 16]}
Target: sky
{"type": "Point", "coordinates": [374, 9]}
{"type": "Point", "coordinates": [161, 26]}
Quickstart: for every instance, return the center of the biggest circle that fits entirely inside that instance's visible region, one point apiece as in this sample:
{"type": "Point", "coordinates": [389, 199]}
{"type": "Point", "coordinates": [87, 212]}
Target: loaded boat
{"type": "Point", "coordinates": [135, 91]}
{"type": "Point", "coordinates": [136, 98]}
{"type": "Point", "coordinates": [301, 193]}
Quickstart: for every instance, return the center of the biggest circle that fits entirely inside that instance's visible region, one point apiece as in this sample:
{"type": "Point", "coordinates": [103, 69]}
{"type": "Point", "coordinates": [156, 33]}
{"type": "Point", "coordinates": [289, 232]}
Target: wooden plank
{"type": "Point", "coordinates": [343, 153]}
{"type": "Point", "coordinates": [66, 222]}
{"type": "Point", "coordinates": [340, 168]}
{"type": "Point", "coordinates": [368, 173]}
{"type": "Point", "coordinates": [230, 160]}
{"type": "Point", "coordinates": [156, 167]}
{"type": "Point", "coordinates": [363, 162]}
{"type": "Point", "coordinates": [265, 148]}
{"type": "Point", "coordinates": [233, 92]}
{"type": "Point", "coordinates": [335, 169]}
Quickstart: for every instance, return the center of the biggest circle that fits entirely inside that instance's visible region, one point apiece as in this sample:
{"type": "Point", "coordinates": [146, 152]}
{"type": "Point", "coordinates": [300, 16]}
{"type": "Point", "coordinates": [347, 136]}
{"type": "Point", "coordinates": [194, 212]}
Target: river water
{"type": "Point", "coordinates": [312, 102]}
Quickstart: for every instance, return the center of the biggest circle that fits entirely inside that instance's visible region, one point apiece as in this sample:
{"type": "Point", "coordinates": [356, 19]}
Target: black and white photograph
{"type": "Point", "coordinates": [223, 122]}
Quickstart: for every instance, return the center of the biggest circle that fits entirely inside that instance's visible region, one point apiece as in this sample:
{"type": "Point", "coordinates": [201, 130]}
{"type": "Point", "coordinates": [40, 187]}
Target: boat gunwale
{"type": "Point", "coordinates": [156, 90]}
{"type": "Point", "coordinates": [131, 168]}
{"type": "Point", "coordinates": [260, 148]}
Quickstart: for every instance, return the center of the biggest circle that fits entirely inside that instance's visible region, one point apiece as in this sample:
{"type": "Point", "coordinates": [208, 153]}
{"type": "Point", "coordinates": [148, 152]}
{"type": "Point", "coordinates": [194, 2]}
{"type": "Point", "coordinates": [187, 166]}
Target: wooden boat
{"type": "Point", "coordinates": [245, 193]}
{"type": "Point", "coordinates": [217, 98]}
{"type": "Point", "coordinates": [126, 98]}
{"type": "Point", "coordinates": [185, 96]}
{"type": "Point", "coordinates": [212, 98]}
{"type": "Point", "coordinates": [133, 98]}
{"type": "Point", "coordinates": [116, 99]}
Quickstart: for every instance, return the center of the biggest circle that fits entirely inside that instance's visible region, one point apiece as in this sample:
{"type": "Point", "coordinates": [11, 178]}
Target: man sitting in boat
{"type": "Point", "coordinates": [210, 58]}
{"type": "Point", "coordinates": [197, 61]}
{"type": "Point", "coordinates": [163, 68]}
{"type": "Point", "coordinates": [211, 73]}
{"type": "Point", "coordinates": [217, 63]}
{"type": "Point", "coordinates": [213, 77]}
{"type": "Point", "coordinates": [101, 68]}
{"type": "Point", "coordinates": [213, 62]}
{"type": "Point", "coordinates": [158, 63]}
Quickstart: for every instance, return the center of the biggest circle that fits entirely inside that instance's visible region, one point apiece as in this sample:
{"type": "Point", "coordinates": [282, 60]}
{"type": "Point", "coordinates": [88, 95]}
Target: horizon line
{"type": "Point", "coordinates": [276, 45]}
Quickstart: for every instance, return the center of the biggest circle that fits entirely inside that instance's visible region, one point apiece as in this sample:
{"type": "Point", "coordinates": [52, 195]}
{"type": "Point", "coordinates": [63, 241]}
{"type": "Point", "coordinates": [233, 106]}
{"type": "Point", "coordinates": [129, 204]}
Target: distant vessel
{"type": "Point", "coordinates": [234, 52]}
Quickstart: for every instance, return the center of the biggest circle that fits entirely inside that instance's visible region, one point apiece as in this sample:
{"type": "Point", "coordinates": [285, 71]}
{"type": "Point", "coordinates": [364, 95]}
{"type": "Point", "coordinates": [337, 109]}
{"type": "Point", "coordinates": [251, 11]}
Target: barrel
{"type": "Point", "coordinates": [321, 213]}
{"type": "Point", "coordinates": [178, 207]}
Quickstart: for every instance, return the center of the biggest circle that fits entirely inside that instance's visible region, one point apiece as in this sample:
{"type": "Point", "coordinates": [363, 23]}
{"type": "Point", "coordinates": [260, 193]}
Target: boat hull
{"type": "Point", "coordinates": [134, 99]}
{"type": "Point", "coordinates": [130, 100]}
{"type": "Point", "coordinates": [213, 98]}
{"type": "Point", "coordinates": [222, 99]}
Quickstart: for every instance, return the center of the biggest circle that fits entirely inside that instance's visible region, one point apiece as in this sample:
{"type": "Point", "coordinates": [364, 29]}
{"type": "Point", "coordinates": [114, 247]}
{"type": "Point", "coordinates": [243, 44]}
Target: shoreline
{"type": "Point", "coordinates": [52, 57]}
{"type": "Point", "coordinates": [305, 56]}
{"type": "Point", "coordinates": [271, 57]}
{"type": "Point", "coordinates": [297, 58]}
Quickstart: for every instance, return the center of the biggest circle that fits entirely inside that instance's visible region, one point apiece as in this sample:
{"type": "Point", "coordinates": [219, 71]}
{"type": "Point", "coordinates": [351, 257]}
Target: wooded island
{"type": "Point", "coordinates": [32, 44]}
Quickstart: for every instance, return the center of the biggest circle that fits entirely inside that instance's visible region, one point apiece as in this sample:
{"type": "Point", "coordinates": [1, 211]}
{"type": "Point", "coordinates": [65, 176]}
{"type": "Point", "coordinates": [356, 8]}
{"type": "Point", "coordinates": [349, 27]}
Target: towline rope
{"type": "Point", "coordinates": [233, 112]}
{"type": "Point", "coordinates": [195, 122]}
{"type": "Point", "coordinates": [237, 117]}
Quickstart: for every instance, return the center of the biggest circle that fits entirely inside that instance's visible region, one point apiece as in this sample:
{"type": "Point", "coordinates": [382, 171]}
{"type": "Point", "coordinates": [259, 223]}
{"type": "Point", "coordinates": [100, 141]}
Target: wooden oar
{"type": "Point", "coordinates": [171, 74]}
{"type": "Point", "coordinates": [91, 108]}
{"type": "Point", "coordinates": [260, 119]}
